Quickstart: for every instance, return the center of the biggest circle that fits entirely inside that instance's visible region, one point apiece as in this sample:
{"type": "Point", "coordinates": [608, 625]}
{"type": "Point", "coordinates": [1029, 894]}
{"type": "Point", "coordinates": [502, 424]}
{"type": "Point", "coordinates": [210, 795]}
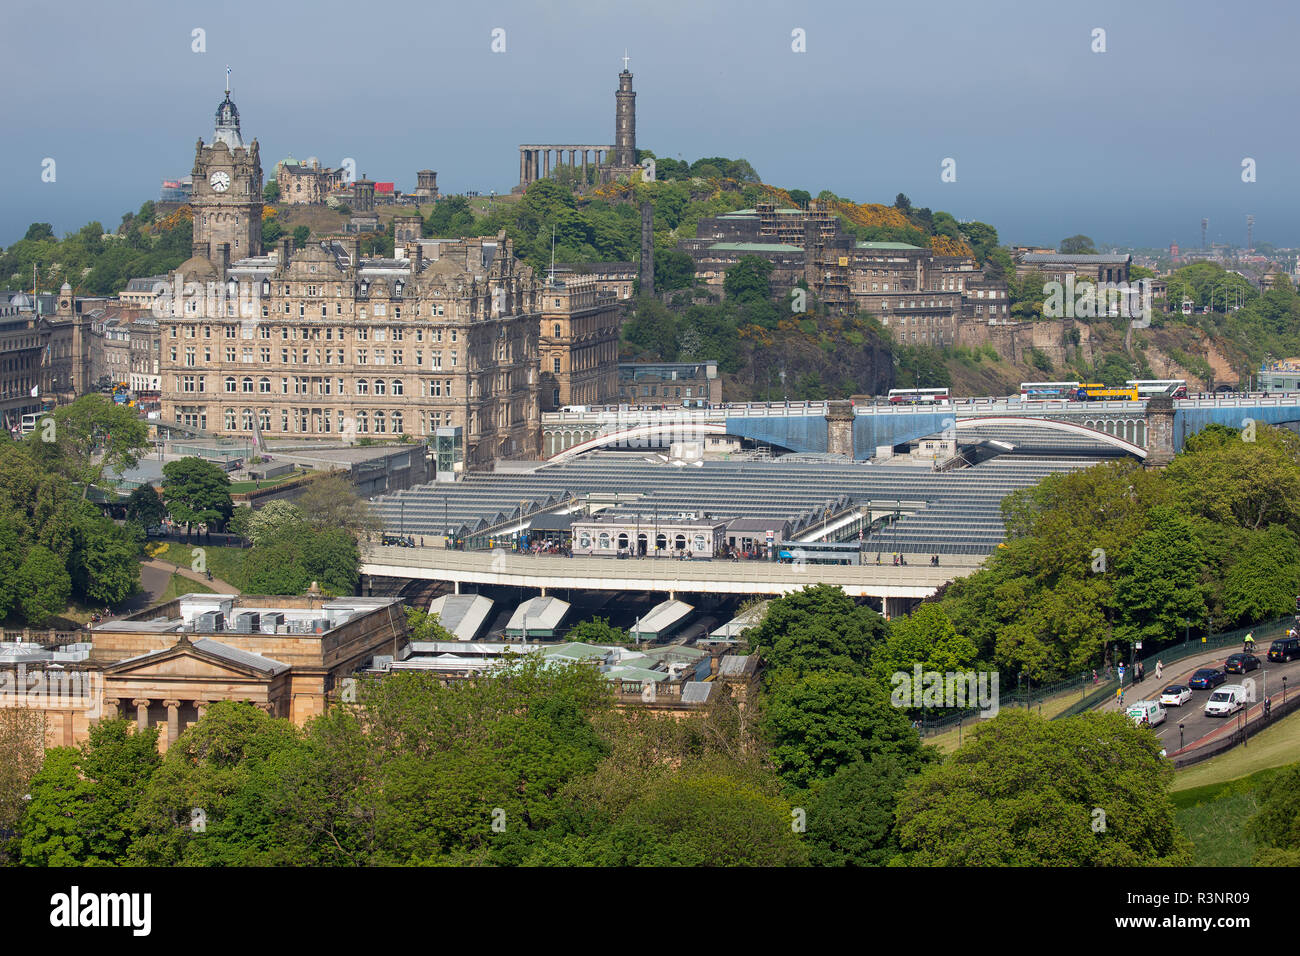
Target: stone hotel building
{"type": "Point", "coordinates": [318, 342]}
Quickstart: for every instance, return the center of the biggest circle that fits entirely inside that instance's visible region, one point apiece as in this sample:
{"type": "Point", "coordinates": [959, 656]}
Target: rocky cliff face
{"type": "Point", "coordinates": [830, 363]}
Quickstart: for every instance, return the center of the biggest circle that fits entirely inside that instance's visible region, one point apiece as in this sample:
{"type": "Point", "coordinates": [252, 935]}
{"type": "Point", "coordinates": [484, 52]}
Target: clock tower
{"type": "Point", "coordinates": [227, 197]}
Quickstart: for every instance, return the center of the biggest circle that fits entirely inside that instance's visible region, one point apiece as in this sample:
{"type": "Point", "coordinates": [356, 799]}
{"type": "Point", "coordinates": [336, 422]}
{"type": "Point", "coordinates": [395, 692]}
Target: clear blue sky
{"type": "Point", "coordinates": [1133, 145]}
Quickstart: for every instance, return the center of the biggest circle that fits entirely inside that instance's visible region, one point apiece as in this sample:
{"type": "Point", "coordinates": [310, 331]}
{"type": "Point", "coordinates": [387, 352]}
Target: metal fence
{"type": "Point", "coordinates": [1092, 695]}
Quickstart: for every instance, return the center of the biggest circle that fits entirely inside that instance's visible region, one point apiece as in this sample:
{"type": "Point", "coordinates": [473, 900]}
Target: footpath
{"type": "Point", "coordinates": [216, 584]}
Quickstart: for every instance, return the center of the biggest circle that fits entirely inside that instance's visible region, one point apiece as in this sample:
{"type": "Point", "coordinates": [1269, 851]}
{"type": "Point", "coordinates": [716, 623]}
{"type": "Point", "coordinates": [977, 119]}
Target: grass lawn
{"type": "Point", "coordinates": [1275, 747]}
{"type": "Point", "coordinates": [244, 487]}
{"type": "Point", "coordinates": [1215, 821]}
{"type": "Point", "coordinates": [179, 585]}
{"type": "Point", "coordinates": [224, 563]}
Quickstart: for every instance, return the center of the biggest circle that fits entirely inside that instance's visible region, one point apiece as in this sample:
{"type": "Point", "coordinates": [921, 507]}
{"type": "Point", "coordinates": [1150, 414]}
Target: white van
{"type": "Point", "coordinates": [1226, 700]}
{"type": "Point", "coordinates": [1148, 712]}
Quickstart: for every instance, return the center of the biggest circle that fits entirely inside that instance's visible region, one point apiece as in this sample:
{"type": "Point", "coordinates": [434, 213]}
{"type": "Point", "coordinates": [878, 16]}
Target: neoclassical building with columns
{"type": "Point", "coordinates": [166, 665]}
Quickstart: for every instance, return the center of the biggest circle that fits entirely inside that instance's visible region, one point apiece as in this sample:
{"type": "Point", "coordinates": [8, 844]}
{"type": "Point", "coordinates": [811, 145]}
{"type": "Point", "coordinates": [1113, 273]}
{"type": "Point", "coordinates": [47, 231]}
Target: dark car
{"type": "Point", "coordinates": [1240, 663]}
{"type": "Point", "coordinates": [1205, 678]}
{"type": "Point", "coordinates": [1284, 649]}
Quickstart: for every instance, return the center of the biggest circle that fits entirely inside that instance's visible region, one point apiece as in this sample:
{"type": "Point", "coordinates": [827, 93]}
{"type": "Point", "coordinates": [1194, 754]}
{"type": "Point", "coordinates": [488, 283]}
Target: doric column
{"type": "Point", "coordinates": [141, 705]}
{"type": "Point", "coordinates": [523, 175]}
{"type": "Point", "coordinates": [546, 162]}
{"type": "Point", "coordinates": [584, 165]}
{"type": "Point", "coordinates": [173, 720]}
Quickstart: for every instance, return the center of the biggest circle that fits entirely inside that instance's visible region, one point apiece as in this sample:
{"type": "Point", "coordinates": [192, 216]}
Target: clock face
{"type": "Point", "coordinates": [220, 181]}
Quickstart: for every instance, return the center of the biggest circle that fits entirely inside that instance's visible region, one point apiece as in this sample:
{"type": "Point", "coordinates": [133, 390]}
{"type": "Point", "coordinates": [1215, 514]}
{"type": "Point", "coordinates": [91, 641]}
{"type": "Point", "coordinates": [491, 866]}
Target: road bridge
{"type": "Point", "coordinates": [1153, 429]}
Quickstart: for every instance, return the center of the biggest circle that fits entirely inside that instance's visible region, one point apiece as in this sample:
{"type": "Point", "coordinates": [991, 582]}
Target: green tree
{"type": "Point", "coordinates": [301, 235]}
{"type": "Point", "coordinates": [223, 767]}
{"type": "Point", "coordinates": [1276, 824]}
{"type": "Point", "coordinates": [267, 522]}
{"type": "Point", "coordinates": [815, 630]}
{"type": "Point", "coordinates": [823, 721]}
{"type": "Point", "coordinates": [22, 748]}
{"type": "Point", "coordinates": [1078, 245]}
{"type": "Point", "coordinates": [674, 269]}
{"type": "Point", "coordinates": [749, 280]}
{"type": "Point", "coordinates": [598, 630]}
{"type": "Point", "coordinates": [1091, 790]}
{"type": "Point", "coordinates": [271, 191]}
{"type": "Point", "coordinates": [196, 492]}
{"type": "Point", "coordinates": [145, 507]}
{"type": "Point", "coordinates": [39, 232]}
{"type": "Point", "coordinates": [426, 626]}
{"type": "Point", "coordinates": [851, 815]}
{"type": "Point", "coordinates": [94, 436]}
{"type": "Point", "coordinates": [42, 586]}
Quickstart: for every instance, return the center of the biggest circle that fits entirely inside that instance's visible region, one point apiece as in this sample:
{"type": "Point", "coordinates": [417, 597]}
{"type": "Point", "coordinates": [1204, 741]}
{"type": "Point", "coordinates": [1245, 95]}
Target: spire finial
{"type": "Point", "coordinates": [228, 79]}
{"type": "Point", "coordinates": [625, 59]}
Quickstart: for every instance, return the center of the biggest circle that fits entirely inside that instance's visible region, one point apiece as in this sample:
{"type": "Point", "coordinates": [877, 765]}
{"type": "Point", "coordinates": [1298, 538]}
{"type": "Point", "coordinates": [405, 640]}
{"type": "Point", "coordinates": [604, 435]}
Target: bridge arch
{"type": "Point", "coordinates": [1093, 428]}
{"type": "Point", "coordinates": [638, 436]}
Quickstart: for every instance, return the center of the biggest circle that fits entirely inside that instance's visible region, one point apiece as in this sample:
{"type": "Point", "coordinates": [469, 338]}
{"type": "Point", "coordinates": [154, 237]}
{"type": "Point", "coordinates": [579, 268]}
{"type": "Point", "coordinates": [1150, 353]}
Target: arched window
{"type": "Point", "coordinates": [266, 287]}
{"type": "Point", "coordinates": [557, 330]}
{"type": "Point", "coordinates": [264, 385]}
{"type": "Point", "coordinates": [397, 386]}
{"type": "Point", "coordinates": [381, 426]}
{"type": "Point", "coordinates": [247, 419]}
{"type": "Point", "coordinates": [264, 419]}
{"type": "Point", "coordinates": [363, 387]}
{"type": "Point", "coordinates": [680, 542]}
{"type": "Point", "coordinates": [604, 541]}
{"type": "Point", "coordinates": [379, 386]}
{"type": "Point", "coordinates": [397, 423]}
{"type": "Point", "coordinates": [699, 542]}
{"type": "Point", "coordinates": [230, 385]}
{"type": "Point", "coordinates": [584, 540]}
{"type": "Point", "coordinates": [363, 423]}
{"type": "Point", "coordinates": [622, 541]}
{"type": "Point", "coordinates": [247, 384]}
{"type": "Point", "coordinates": [230, 419]}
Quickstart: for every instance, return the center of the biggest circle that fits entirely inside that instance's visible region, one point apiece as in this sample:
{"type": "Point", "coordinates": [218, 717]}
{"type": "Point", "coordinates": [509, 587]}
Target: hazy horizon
{"type": "Point", "coordinates": [1132, 146]}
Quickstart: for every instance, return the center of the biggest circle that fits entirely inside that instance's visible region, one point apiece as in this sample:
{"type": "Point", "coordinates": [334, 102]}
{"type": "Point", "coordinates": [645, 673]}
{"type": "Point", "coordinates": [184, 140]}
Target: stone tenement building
{"type": "Point", "coordinates": [319, 342]}
{"type": "Point", "coordinates": [609, 162]}
{"type": "Point", "coordinates": [579, 344]}
{"type": "Point", "coordinates": [923, 296]}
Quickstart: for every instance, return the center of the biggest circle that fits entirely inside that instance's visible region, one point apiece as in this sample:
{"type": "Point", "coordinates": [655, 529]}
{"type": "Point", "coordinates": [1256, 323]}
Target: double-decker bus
{"type": "Point", "coordinates": [1048, 391]}
{"type": "Point", "coordinates": [1095, 392]}
{"type": "Point", "coordinates": [1159, 387]}
{"type": "Point", "coordinates": [918, 396]}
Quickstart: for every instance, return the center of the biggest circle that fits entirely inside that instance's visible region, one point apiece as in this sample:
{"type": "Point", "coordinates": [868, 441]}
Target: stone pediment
{"type": "Point", "coordinates": [203, 660]}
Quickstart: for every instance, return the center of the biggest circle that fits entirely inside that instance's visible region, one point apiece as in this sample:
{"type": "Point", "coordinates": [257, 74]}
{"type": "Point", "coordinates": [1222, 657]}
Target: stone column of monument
{"type": "Point", "coordinates": [173, 720]}
{"type": "Point", "coordinates": [1160, 431]}
{"type": "Point", "coordinates": [523, 169]}
{"type": "Point", "coordinates": [839, 428]}
{"type": "Point", "coordinates": [141, 705]}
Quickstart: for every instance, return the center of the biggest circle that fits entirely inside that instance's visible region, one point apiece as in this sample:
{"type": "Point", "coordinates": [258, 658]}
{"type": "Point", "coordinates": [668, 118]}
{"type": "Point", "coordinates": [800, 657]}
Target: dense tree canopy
{"type": "Point", "coordinates": [1024, 791]}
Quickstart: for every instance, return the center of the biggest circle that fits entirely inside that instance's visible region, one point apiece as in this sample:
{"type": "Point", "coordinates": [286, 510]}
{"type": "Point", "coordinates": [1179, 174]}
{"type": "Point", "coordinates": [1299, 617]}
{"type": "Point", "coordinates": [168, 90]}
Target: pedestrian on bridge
{"type": "Point", "coordinates": [1159, 668]}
